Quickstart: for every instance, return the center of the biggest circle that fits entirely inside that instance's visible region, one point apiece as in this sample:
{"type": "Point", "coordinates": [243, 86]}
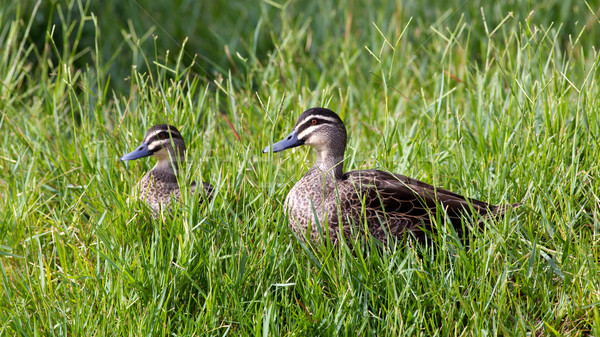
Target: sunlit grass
{"type": "Point", "coordinates": [497, 107]}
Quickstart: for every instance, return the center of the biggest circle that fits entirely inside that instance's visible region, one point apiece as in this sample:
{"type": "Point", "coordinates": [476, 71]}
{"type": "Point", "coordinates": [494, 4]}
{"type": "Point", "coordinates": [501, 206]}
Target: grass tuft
{"type": "Point", "coordinates": [496, 101]}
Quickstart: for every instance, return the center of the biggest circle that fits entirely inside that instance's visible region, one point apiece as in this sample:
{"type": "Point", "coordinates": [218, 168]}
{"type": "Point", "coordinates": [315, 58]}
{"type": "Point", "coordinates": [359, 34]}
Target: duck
{"type": "Point", "coordinates": [327, 202]}
{"type": "Point", "coordinates": [159, 187]}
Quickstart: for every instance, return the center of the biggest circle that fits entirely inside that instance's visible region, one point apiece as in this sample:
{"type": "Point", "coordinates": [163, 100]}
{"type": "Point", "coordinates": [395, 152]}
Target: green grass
{"type": "Point", "coordinates": [499, 107]}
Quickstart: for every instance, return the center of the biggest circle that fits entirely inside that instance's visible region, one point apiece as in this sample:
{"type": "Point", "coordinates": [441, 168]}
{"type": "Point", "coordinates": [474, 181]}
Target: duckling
{"type": "Point", "coordinates": [388, 204]}
{"type": "Point", "coordinates": [159, 186]}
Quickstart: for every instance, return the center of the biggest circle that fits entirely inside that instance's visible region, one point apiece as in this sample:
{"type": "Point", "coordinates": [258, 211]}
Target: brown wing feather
{"type": "Point", "coordinates": [208, 189]}
{"type": "Point", "coordinates": [408, 202]}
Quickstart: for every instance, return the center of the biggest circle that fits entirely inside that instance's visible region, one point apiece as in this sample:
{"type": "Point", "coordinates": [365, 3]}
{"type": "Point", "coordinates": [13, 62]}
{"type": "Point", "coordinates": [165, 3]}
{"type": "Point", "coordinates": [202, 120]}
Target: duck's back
{"type": "Point", "coordinates": [394, 204]}
{"type": "Point", "coordinates": [389, 204]}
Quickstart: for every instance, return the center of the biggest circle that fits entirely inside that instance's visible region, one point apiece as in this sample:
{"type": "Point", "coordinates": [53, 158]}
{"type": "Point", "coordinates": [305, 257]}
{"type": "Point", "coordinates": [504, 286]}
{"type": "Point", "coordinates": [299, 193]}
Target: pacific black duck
{"type": "Point", "coordinates": [159, 186]}
{"type": "Point", "coordinates": [391, 205]}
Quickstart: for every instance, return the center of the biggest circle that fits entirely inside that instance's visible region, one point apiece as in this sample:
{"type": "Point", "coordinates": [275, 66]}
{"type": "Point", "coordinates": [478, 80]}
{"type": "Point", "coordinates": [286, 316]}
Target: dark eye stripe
{"type": "Point", "coordinates": [307, 123]}
{"type": "Point", "coordinates": [167, 135]}
{"type": "Point", "coordinates": [309, 130]}
{"type": "Point", "coordinates": [158, 137]}
{"type": "Point", "coordinates": [155, 145]}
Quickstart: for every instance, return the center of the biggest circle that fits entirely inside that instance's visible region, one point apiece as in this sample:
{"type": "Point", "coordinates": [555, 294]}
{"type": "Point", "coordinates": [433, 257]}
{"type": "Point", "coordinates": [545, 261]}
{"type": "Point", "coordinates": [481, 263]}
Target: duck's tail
{"type": "Point", "coordinates": [501, 209]}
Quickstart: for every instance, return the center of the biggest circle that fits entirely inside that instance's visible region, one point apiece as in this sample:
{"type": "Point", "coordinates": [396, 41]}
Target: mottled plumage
{"type": "Point", "coordinates": [160, 186]}
{"type": "Point", "coordinates": [387, 203]}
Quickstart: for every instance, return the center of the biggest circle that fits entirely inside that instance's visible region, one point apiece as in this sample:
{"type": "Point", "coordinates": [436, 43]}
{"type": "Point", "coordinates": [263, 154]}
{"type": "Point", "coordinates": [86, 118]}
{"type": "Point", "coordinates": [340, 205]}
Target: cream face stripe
{"type": "Point", "coordinates": [154, 134]}
{"type": "Point", "coordinates": [305, 120]}
{"type": "Point", "coordinates": [172, 132]}
{"type": "Point", "coordinates": [311, 128]}
{"type": "Point", "coordinates": [152, 146]}
{"type": "Point", "coordinates": [157, 142]}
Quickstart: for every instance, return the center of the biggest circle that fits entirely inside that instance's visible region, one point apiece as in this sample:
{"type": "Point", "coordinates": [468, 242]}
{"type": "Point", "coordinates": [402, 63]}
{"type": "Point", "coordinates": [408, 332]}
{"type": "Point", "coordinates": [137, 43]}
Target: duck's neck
{"type": "Point", "coordinates": [166, 168]}
{"type": "Point", "coordinates": [330, 164]}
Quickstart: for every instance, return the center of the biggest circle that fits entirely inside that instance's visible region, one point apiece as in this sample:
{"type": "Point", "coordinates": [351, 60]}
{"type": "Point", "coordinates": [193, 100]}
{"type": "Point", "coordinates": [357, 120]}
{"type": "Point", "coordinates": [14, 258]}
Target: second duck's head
{"type": "Point", "coordinates": [162, 141]}
{"type": "Point", "coordinates": [319, 128]}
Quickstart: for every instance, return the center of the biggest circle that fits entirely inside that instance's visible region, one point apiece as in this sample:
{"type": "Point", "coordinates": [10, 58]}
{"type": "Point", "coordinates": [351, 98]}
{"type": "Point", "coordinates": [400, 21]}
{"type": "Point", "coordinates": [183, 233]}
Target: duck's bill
{"type": "Point", "coordinates": [141, 152]}
{"type": "Point", "coordinates": [288, 142]}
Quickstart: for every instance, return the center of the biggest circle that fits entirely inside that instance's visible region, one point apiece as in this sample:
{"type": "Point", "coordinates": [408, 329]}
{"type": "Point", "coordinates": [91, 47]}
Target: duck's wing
{"type": "Point", "coordinates": [208, 191]}
{"type": "Point", "coordinates": [398, 195]}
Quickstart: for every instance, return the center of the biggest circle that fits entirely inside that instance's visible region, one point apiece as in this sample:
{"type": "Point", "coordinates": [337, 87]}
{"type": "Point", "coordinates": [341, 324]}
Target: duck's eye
{"type": "Point", "coordinates": [314, 122]}
{"type": "Point", "coordinates": [162, 135]}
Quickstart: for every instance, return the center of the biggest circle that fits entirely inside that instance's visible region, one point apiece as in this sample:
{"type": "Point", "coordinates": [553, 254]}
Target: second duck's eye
{"type": "Point", "coordinates": [314, 122]}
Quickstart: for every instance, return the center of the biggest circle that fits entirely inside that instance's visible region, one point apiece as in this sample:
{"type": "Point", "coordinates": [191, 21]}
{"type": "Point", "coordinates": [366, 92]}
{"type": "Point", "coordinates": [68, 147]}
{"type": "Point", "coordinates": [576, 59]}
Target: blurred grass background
{"type": "Point", "coordinates": [220, 34]}
{"type": "Point", "coordinates": [495, 100]}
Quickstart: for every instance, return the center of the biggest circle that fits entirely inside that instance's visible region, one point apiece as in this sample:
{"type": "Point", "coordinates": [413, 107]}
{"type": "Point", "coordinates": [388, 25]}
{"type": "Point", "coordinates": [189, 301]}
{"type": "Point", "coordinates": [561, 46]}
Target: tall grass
{"type": "Point", "coordinates": [495, 101]}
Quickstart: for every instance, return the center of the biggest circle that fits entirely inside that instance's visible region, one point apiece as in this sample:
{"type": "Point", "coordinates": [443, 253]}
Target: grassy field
{"type": "Point", "coordinates": [498, 102]}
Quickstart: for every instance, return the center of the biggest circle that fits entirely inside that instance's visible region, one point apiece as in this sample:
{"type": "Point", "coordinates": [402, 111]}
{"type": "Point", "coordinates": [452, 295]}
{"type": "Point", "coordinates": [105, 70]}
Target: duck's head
{"type": "Point", "coordinates": [319, 128]}
{"type": "Point", "coordinates": [323, 130]}
{"type": "Point", "coordinates": [162, 141]}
